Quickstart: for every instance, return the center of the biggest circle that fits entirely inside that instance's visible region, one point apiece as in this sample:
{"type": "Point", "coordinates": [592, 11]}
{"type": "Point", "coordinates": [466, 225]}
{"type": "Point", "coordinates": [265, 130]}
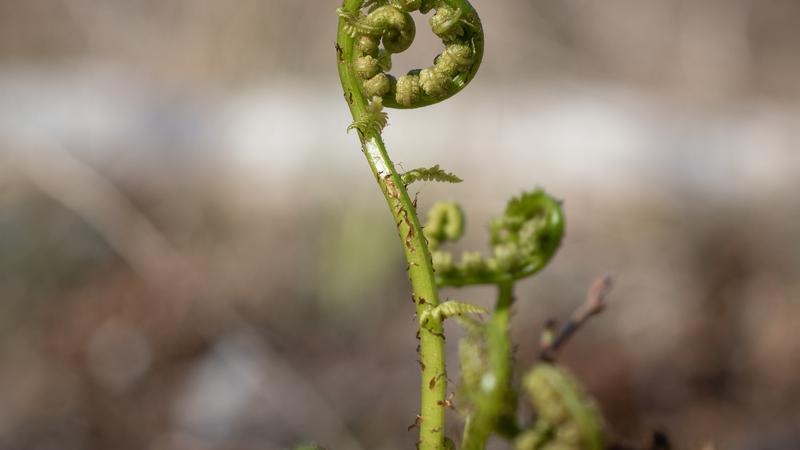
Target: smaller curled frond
{"type": "Point", "coordinates": [567, 417]}
{"type": "Point", "coordinates": [523, 240]}
{"type": "Point", "coordinates": [434, 173]}
{"type": "Point", "coordinates": [449, 309]}
{"type": "Point", "coordinates": [445, 223]}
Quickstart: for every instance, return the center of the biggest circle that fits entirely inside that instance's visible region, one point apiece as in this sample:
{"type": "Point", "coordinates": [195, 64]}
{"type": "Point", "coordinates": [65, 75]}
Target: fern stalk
{"type": "Point", "coordinates": [420, 268]}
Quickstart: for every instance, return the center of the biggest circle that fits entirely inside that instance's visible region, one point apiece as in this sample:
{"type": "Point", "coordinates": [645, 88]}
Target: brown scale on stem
{"type": "Point", "coordinates": [391, 189]}
{"type": "Point", "coordinates": [448, 402]}
{"type": "Point", "coordinates": [416, 423]}
{"type": "Point", "coordinates": [339, 52]}
{"type": "Point", "coordinates": [410, 239]}
{"type": "Point", "coordinates": [435, 380]}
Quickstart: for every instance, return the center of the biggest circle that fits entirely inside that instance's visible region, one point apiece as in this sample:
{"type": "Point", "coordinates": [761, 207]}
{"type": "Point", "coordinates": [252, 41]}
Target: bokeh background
{"type": "Point", "coordinates": [193, 254]}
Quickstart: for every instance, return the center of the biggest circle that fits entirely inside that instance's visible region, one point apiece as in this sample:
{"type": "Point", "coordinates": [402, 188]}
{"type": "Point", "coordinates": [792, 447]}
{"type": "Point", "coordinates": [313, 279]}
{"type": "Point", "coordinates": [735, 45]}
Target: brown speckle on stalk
{"type": "Point", "coordinates": [434, 380]}
{"type": "Point", "coordinates": [339, 52]}
{"type": "Point", "coordinates": [416, 423]}
{"type": "Point", "coordinates": [448, 402]}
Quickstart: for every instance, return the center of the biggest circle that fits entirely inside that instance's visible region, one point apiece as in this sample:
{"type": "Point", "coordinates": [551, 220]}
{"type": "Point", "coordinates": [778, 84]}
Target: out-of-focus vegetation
{"type": "Point", "coordinates": [176, 272]}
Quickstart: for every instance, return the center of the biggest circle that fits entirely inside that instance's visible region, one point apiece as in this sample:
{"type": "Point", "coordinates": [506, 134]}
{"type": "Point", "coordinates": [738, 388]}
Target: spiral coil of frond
{"type": "Point", "coordinates": [523, 240]}
{"type": "Point", "coordinates": [381, 28]}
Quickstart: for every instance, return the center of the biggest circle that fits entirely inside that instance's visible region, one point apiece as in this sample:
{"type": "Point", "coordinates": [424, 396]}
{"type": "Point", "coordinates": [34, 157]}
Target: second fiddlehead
{"type": "Point", "coordinates": [568, 418]}
{"type": "Point", "coordinates": [523, 239]}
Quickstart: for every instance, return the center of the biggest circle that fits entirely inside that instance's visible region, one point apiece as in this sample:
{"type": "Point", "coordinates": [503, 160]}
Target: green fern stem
{"type": "Point", "coordinates": [420, 267]}
{"type": "Point", "coordinates": [492, 403]}
{"type": "Point", "coordinates": [369, 32]}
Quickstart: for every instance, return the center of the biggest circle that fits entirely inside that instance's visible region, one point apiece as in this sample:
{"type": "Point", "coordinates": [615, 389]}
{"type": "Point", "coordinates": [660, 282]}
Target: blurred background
{"type": "Point", "coordinates": [193, 254]}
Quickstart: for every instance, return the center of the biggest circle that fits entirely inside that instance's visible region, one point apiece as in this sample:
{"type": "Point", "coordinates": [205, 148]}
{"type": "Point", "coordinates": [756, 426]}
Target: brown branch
{"type": "Point", "coordinates": [553, 341]}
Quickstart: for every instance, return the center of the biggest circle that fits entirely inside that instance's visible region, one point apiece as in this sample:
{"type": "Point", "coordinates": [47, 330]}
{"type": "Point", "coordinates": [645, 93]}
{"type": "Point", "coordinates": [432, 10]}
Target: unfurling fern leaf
{"type": "Point", "coordinates": [523, 241]}
{"type": "Point", "coordinates": [445, 223]}
{"type": "Point", "coordinates": [567, 418]}
{"type": "Point", "coordinates": [434, 173]}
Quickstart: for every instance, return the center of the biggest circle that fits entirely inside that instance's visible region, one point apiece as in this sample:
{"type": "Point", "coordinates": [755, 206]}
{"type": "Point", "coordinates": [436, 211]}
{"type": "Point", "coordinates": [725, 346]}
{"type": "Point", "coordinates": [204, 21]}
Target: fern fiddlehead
{"type": "Point", "coordinates": [568, 418]}
{"type": "Point", "coordinates": [369, 32]}
{"type": "Point", "coordinates": [388, 23]}
{"type": "Point", "coordinates": [523, 240]}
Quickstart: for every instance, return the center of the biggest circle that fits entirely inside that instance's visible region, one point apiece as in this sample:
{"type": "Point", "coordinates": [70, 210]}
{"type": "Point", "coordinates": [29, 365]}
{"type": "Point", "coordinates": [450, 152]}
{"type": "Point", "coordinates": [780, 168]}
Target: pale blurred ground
{"type": "Point", "coordinates": [193, 254]}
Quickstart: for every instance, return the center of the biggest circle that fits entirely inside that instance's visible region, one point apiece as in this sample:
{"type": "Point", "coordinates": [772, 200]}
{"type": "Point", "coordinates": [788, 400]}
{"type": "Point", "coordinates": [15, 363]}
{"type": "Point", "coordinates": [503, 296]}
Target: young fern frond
{"type": "Point", "coordinates": [523, 240]}
{"type": "Point", "coordinates": [445, 224]}
{"type": "Point", "coordinates": [434, 173]}
{"type": "Point", "coordinates": [449, 309]}
{"type": "Point", "coordinates": [388, 21]}
{"type": "Point", "coordinates": [567, 418]}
